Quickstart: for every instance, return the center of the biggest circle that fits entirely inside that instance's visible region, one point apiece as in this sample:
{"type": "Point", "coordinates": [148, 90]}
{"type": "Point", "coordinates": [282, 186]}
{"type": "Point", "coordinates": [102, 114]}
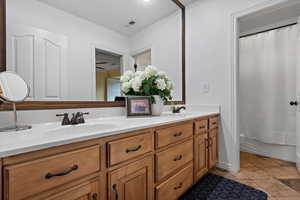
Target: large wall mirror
{"type": "Point", "coordinates": [73, 52]}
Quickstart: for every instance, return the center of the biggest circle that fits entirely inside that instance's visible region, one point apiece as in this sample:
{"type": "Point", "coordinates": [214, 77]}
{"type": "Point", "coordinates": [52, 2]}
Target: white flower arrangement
{"type": "Point", "coordinates": [147, 83]}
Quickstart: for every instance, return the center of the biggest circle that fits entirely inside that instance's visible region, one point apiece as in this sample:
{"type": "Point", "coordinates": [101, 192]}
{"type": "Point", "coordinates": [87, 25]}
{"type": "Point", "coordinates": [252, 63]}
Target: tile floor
{"type": "Point", "coordinates": [279, 179]}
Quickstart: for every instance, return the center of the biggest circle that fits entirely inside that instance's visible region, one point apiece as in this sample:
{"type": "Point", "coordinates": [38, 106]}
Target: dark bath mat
{"type": "Point", "coordinates": [214, 187]}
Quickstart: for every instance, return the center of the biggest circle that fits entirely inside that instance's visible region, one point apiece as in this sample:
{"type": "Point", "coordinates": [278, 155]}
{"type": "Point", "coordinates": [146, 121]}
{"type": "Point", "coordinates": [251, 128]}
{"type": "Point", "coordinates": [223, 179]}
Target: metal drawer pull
{"type": "Point", "coordinates": [177, 134]}
{"type": "Point", "coordinates": [134, 149]}
{"type": "Point", "coordinates": [177, 158]}
{"type": "Point", "coordinates": [214, 123]}
{"type": "Point", "coordinates": [202, 127]}
{"type": "Point", "coordinates": [178, 186]}
{"type": "Point", "coordinates": [64, 173]}
{"type": "Point", "coordinates": [114, 187]}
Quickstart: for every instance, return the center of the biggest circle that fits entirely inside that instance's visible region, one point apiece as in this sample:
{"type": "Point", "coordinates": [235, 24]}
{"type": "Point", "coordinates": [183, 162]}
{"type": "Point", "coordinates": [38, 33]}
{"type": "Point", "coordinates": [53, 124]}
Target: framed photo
{"type": "Point", "coordinates": [138, 106]}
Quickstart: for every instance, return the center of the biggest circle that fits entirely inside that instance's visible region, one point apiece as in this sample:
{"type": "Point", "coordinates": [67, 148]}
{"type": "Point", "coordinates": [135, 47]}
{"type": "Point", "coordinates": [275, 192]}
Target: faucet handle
{"type": "Point", "coordinates": [66, 120]}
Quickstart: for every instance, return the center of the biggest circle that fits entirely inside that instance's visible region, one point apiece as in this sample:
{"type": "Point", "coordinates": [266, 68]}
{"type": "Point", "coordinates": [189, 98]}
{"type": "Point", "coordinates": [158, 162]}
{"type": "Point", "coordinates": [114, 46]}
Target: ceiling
{"type": "Point", "coordinates": [116, 14]}
{"type": "Point", "coordinates": [107, 61]}
{"type": "Point", "coordinates": [286, 13]}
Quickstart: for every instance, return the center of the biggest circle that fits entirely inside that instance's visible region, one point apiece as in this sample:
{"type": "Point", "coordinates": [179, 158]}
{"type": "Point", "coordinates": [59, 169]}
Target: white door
{"type": "Point", "coordinates": [113, 89]}
{"type": "Point", "coordinates": [298, 102]}
{"type": "Point", "coordinates": [40, 58]}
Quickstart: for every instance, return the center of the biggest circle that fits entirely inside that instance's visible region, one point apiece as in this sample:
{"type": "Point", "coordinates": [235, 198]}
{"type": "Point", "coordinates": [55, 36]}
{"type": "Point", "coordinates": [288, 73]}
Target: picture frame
{"type": "Point", "coordinates": [138, 106]}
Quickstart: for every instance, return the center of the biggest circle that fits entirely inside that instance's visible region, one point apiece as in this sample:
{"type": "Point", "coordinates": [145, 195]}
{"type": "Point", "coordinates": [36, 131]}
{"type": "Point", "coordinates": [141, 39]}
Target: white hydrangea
{"type": "Point", "coordinates": [170, 85]}
{"type": "Point", "coordinates": [162, 74]}
{"type": "Point", "coordinates": [161, 84]}
{"type": "Point", "coordinates": [136, 84]}
{"type": "Point", "coordinates": [126, 86]}
{"type": "Point", "coordinates": [150, 71]}
{"type": "Point", "coordinates": [127, 76]}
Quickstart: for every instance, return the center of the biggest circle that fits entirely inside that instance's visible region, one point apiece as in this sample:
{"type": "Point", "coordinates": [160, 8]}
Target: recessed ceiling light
{"type": "Point", "coordinates": [147, 0]}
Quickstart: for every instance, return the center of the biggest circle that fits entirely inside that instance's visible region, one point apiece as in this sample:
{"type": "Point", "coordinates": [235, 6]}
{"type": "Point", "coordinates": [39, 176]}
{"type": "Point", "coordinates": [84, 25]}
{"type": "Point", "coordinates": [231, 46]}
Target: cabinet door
{"type": "Point", "coordinates": [201, 156]}
{"type": "Point", "coordinates": [85, 191]}
{"type": "Point", "coordinates": [132, 182]}
{"type": "Point", "coordinates": [213, 148]}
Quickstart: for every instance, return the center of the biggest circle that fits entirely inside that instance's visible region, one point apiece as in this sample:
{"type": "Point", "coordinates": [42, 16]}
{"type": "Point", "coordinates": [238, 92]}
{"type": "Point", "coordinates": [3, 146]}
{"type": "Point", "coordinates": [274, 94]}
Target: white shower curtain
{"type": "Point", "coordinates": [267, 83]}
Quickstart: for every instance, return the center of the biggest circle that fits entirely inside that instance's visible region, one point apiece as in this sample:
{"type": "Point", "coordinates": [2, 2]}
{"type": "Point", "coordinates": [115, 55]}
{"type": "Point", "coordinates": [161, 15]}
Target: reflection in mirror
{"type": "Point", "coordinates": [108, 72]}
{"type": "Point", "coordinates": [13, 89]}
{"type": "Point", "coordinates": [74, 50]}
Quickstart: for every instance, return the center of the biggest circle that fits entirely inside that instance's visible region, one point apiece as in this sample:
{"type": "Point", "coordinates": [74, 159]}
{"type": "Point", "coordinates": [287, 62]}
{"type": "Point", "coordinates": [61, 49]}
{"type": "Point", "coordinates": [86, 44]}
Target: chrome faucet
{"type": "Point", "coordinates": [178, 109]}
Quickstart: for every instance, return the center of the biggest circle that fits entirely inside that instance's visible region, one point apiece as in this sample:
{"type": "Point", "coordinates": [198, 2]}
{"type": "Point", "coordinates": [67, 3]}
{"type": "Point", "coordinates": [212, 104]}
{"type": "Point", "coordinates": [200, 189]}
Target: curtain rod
{"type": "Point", "coordinates": [271, 29]}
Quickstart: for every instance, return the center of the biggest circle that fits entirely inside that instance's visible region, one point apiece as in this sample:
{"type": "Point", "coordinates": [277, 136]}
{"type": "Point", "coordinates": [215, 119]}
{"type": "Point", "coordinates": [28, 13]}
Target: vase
{"type": "Point", "coordinates": [157, 107]}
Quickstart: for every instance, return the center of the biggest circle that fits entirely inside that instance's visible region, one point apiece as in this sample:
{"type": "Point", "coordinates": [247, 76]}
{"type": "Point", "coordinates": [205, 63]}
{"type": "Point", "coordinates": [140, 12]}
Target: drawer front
{"type": "Point", "coordinates": [213, 123]}
{"type": "Point", "coordinates": [201, 127]}
{"type": "Point", "coordinates": [175, 186]}
{"type": "Point", "coordinates": [36, 176]}
{"type": "Point", "coordinates": [173, 134]}
{"type": "Point", "coordinates": [126, 149]}
{"type": "Point", "coordinates": [172, 159]}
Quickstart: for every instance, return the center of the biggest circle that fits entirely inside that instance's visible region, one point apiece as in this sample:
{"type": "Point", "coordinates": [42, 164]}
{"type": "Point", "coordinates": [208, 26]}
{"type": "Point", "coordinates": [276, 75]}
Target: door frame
{"type": "Point", "coordinates": [93, 63]}
{"type": "Point", "coordinates": [234, 73]}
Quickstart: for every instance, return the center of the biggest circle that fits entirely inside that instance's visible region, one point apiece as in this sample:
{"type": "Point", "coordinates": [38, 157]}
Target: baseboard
{"type": "Point", "coordinates": [281, 152]}
{"type": "Point", "coordinates": [224, 166]}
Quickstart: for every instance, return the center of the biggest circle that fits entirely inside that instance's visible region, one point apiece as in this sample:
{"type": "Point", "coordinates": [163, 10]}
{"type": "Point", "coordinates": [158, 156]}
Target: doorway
{"type": "Point", "coordinates": [108, 72]}
{"type": "Point", "coordinates": [237, 20]}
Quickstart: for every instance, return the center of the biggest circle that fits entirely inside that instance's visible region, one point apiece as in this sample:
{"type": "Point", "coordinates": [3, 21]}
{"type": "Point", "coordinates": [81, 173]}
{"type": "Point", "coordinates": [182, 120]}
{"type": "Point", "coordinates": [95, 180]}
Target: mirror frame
{"type": "Point", "coordinates": [46, 105]}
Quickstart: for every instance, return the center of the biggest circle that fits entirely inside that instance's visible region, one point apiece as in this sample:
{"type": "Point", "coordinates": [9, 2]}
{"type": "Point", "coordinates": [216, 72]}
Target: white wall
{"type": "Point", "coordinates": [208, 62]}
{"type": "Point", "coordinates": [164, 39]}
{"type": "Point", "coordinates": [81, 34]}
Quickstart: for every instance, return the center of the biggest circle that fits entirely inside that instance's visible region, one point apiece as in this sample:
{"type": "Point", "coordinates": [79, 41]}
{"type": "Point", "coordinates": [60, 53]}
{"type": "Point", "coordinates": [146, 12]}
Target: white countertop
{"type": "Point", "coordinates": [46, 135]}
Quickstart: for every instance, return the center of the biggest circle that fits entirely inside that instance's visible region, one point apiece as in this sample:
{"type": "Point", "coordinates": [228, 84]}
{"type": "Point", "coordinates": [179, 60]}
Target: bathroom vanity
{"type": "Point", "coordinates": [158, 160]}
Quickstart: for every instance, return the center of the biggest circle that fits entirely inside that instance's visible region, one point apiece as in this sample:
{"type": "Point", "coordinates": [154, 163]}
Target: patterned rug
{"type": "Point", "coordinates": [214, 187]}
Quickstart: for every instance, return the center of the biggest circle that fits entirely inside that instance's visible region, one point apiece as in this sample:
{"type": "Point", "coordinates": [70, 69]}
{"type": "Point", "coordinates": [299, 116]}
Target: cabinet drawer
{"type": "Point", "coordinates": [36, 176]}
{"type": "Point", "coordinates": [213, 123]}
{"type": "Point", "coordinates": [201, 126]}
{"type": "Point", "coordinates": [172, 159]}
{"type": "Point", "coordinates": [128, 148]}
{"type": "Point", "coordinates": [175, 186]}
{"type": "Point", "coordinates": [173, 134]}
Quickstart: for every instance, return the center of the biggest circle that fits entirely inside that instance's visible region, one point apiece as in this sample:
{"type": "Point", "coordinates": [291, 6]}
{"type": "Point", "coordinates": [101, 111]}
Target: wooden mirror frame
{"type": "Point", "coordinates": [45, 105]}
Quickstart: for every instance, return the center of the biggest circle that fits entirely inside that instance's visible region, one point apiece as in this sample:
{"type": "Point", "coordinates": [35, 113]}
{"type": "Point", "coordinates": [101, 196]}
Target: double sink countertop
{"type": "Point", "coordinates": [47, 135]}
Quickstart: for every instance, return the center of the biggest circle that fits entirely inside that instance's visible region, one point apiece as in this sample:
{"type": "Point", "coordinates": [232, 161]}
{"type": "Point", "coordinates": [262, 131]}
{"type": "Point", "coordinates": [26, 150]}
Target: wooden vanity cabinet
{"type": "Point", "coordinates": [134, 181]}
{"type": "Point", "coordinates": [152, 164]}
{"type": "Point", "coordinates": [205, 146]}
{"type": "Point", "coordinates": [84, 191]}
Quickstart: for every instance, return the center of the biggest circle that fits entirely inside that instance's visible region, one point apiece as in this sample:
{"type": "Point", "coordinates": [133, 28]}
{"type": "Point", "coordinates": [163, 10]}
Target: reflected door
{"type": "Point", "coordinates": [39, 57]}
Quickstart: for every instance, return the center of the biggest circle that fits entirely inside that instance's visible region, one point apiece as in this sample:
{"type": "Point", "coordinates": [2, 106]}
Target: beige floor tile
{"type": "Point", "coordinates": [263, 173]}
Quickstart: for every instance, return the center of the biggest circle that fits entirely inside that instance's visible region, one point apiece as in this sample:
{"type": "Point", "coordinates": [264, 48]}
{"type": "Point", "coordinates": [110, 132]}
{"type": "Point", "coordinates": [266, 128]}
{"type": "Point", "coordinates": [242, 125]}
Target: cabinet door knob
{"type": "Point", "coordinates": [94, 196]}
{"type": "Point", "coordinates": [294, 103]}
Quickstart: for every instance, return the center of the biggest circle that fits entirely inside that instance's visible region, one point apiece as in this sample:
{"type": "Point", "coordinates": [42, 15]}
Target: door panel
{"type": "Point", "coordinates": [85, 191]}
{"type": "Point", "coordinates": [40, 58]}
{"type": "Point", "coordinates": [201, 156]}
{"type": "Point", "coordinates": [213, 148]}
{"type": "Point", "coordinates": [132, 182]}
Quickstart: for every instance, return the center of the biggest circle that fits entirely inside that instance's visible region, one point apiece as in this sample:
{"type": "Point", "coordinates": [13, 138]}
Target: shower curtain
{"type": "Point", "coordinates": [267, 83]}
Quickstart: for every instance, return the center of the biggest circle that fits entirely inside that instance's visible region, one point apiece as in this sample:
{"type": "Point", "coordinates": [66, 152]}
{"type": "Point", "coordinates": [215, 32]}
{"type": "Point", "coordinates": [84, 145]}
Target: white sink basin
{"type": "Point", "coordinates": [82, 128]}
